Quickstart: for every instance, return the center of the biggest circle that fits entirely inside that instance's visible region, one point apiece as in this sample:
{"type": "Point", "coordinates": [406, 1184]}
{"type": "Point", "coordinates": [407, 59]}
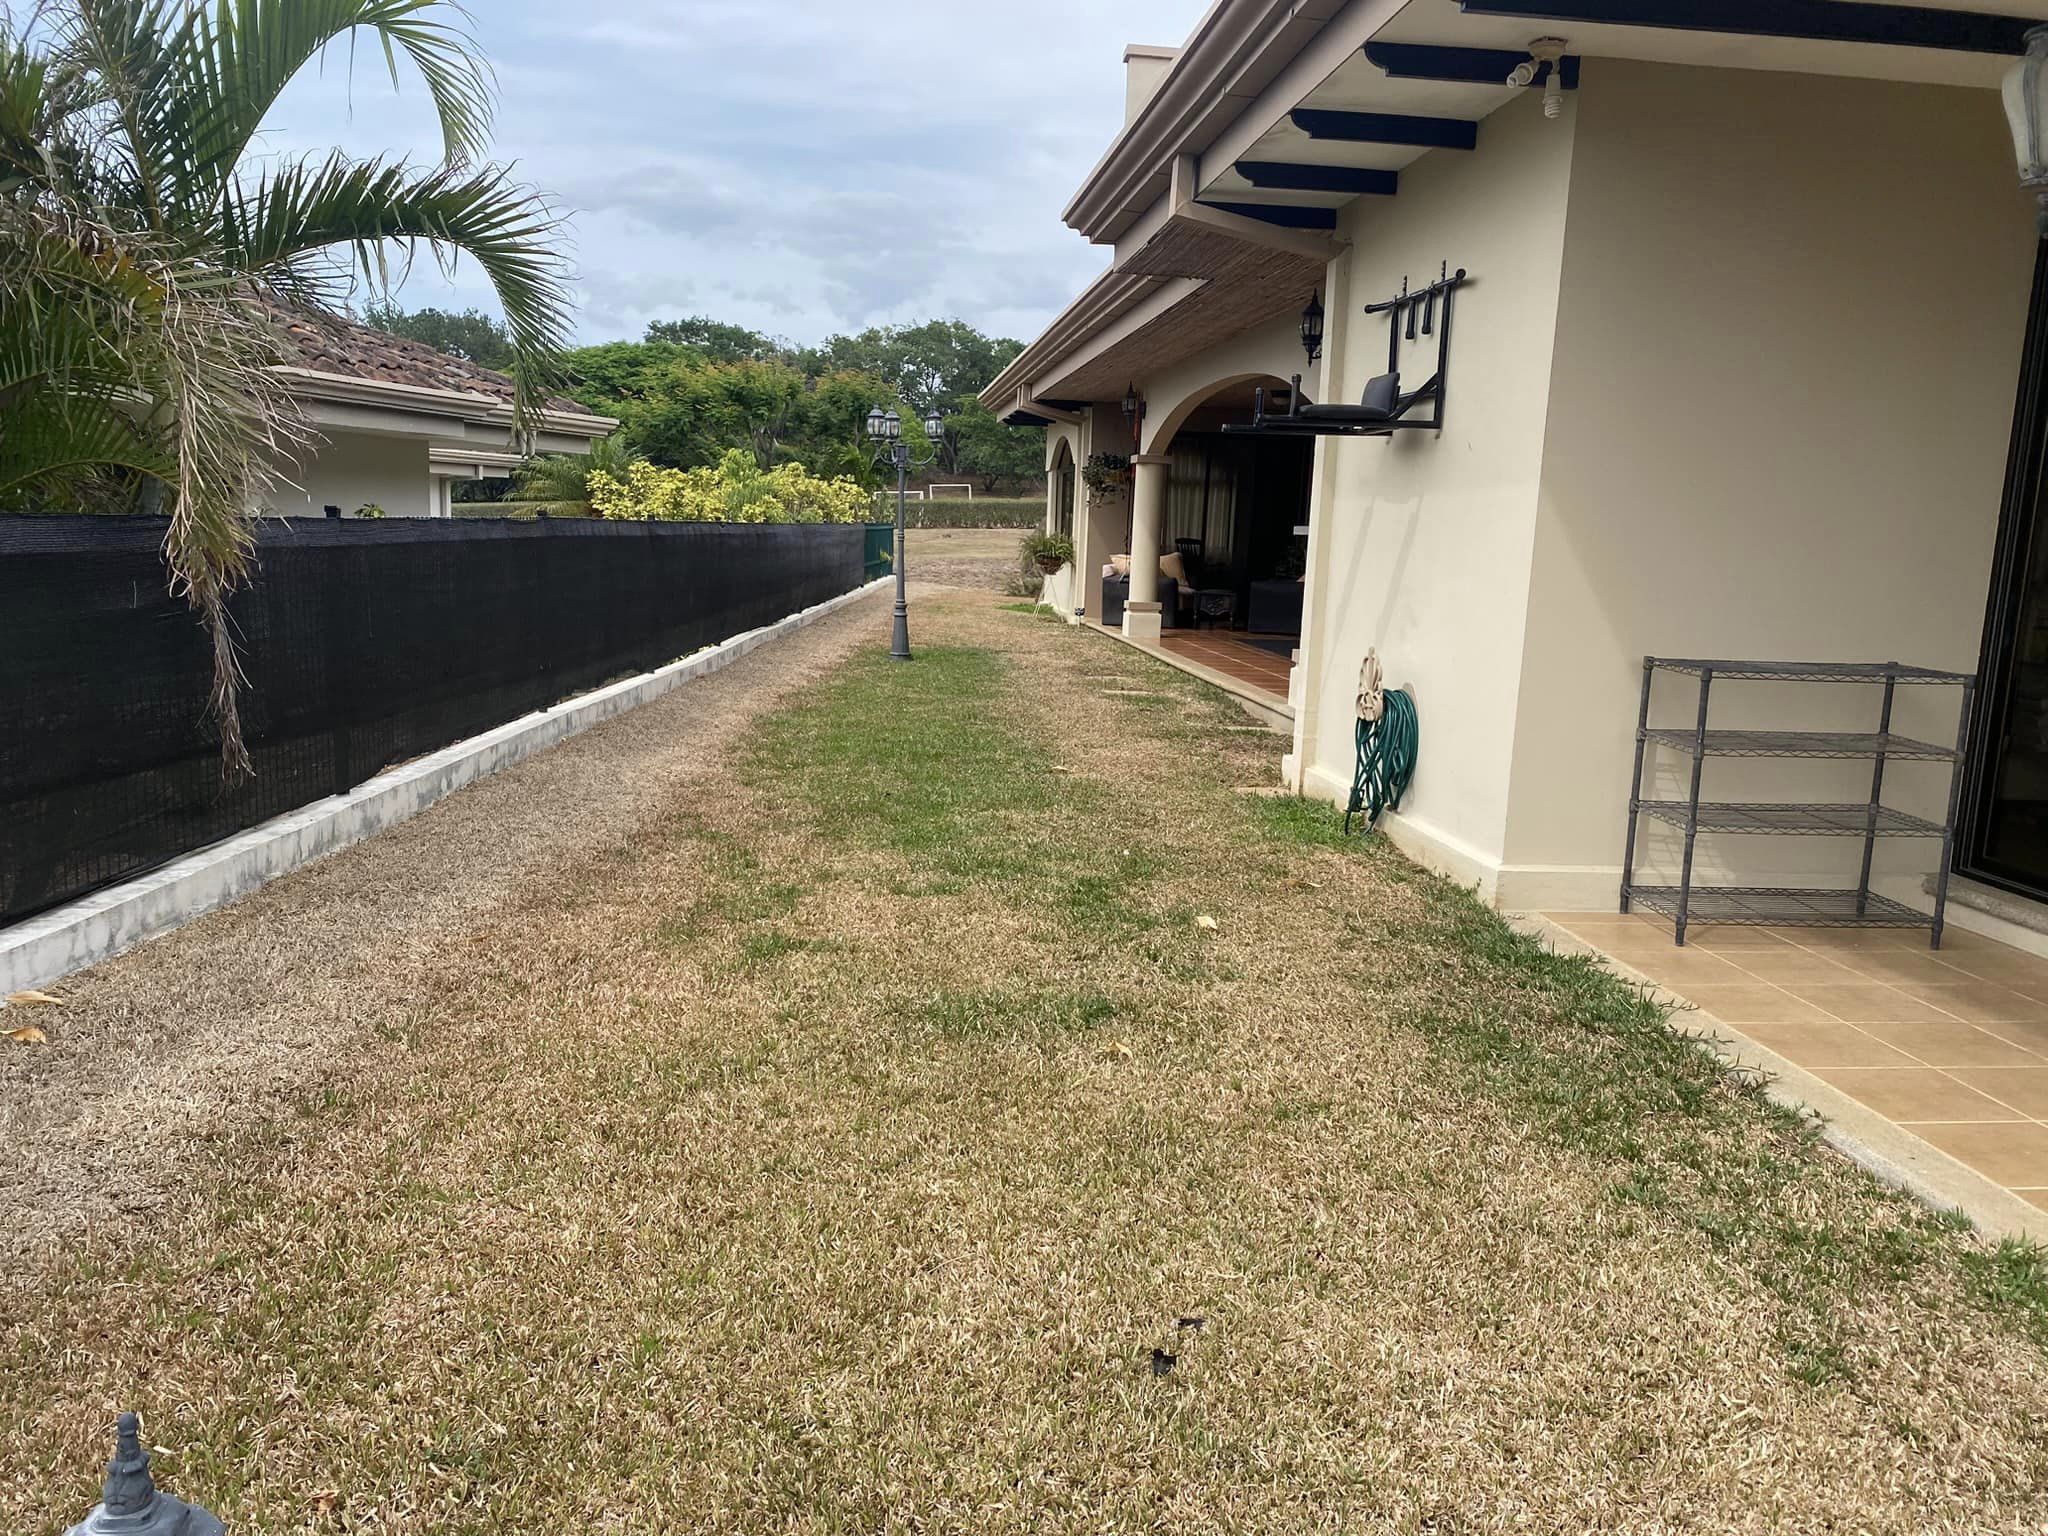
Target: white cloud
{"type": "Point", "coordinates": [787, 165]}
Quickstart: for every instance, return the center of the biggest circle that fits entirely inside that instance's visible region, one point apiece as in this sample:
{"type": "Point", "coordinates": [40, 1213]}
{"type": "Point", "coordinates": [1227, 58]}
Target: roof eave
{"type": "Point", "coordinates": [1233, 53]}
{"type": "Point", "coordinates": [313, 383]}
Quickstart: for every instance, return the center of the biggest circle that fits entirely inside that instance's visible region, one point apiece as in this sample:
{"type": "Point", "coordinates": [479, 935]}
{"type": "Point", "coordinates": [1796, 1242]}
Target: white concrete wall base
{"type": "Point", "coordinates": [1427, 845]}
{"type": "Point", "coordinates": [1060, 589]}
{"type": "Point", "coordinates": [1889, 1152]}
{"type": "Point", "coordinates": [104, 924]}
{"type": "Point", "coordinates": [1560, 888]}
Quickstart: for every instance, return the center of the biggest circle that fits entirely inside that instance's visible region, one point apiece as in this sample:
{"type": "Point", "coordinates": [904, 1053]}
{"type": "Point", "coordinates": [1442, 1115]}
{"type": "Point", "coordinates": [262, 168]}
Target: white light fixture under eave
{"type": "Point", "coordinates": [2026, 109]}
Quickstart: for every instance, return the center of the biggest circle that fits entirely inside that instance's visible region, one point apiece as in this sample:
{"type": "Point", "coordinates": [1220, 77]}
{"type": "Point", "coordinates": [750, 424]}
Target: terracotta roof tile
{"type": "Point", "coordinates": [328, 343]}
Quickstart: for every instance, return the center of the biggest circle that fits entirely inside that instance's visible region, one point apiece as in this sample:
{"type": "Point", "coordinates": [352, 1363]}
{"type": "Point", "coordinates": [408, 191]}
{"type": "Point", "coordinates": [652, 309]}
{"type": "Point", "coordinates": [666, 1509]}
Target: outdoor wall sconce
{"type": "Point", "coordinates": [1384, 409]}
{"type": "Point", "coordinates": [1312, 328]}
{"type": "Point", "coordinates": [1134, 409]}
{"type": "Point", "coordinates": [2026, 109]}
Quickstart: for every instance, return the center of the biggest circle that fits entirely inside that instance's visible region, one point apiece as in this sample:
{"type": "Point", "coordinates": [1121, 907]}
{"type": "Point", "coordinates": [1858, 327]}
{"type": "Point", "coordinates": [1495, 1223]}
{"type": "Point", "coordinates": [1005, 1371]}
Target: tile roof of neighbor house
{"type": "Point", "coordinates": [327, 343]}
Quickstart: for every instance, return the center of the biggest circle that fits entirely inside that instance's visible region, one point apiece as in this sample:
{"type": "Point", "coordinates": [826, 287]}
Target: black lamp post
{"type": "Point", "coordinates": [885, 432]}
{"type": "Point", "coordinates": [1312, 328]}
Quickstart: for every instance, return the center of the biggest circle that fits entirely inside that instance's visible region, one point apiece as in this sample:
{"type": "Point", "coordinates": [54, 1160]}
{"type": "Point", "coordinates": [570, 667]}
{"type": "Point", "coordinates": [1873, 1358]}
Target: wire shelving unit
{"type": "Point", "coordinates": [1762, 906]}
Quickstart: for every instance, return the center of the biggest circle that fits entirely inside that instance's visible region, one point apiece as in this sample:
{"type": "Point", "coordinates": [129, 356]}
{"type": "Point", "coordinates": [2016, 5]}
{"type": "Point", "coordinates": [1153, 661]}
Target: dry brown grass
{"type": "Point", "coordinates": [834, 1153]}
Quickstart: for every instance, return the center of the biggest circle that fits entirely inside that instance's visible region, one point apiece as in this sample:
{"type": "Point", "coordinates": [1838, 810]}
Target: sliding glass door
{"type": "Point", "coordinates": [2005, 832]}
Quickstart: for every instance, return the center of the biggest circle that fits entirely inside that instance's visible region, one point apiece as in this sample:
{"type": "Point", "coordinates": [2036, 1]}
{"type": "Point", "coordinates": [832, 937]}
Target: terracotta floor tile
{"type": "Point", "coordinates": [1956, 940]}
{"type": "Point", "coordinates": [1981, 1002]}
{"type": "Point", "coordinates": [1902, 967]}
{"type": "Point", "coordinates": [1910, 1094]}
{"type": "Point", "coordinates": [1675, 968]}
{"type": "Point", "coordinates": [1729, 937]}
{"type": "Point", "coordinates": [2023, 973]}
{"type": "Point", "coordinates": [1868, 1002]}
{"type": "Point", "coordinates": [1591, 921]}
{"type": "Point", "coordinates": [1954, 1045]}
{"type": "Point", "coordinates": [1819, 1046]}
{"type": "Point", "coordinates": [2024, 1089]}
{"type": "Point", "coordinates": [1829, 939]}
{"type": "Point", "coordinates": [2031, 1033]}
{"type": "Point", "coordinates": [1755, 1003]}
{"type": "Point", "coordinates": [1790, 966]}
{"type": "Point", "coordinates": [2014, 1155]}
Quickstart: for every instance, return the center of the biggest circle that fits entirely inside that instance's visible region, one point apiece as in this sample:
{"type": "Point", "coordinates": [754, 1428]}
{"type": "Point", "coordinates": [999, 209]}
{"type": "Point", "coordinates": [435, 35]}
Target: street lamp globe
{"type": "Point", "coordinates": [877, 424]}
{"type": "Point", "coordinates": [934, 425]}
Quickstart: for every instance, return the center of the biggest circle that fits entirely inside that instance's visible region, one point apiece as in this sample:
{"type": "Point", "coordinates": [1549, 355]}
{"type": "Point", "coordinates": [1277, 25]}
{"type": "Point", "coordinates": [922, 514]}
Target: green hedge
{"type": "Point", "coordinates": [949, 512]}
{"type": "Point", "coordinates": [959, 512]}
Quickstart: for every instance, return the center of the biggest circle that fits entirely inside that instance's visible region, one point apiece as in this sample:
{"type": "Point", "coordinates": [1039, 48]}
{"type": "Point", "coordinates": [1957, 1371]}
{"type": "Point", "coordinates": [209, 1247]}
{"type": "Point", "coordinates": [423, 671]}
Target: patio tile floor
{"type": "Point", "coordinates": [1949, 1044]}
{"type": "Point", "coordinates": [1231, 654]}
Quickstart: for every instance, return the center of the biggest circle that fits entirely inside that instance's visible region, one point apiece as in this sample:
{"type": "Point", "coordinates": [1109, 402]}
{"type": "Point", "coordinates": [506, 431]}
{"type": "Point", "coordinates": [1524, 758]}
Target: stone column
{"type": "Point", "coordinates": [1148, 514]}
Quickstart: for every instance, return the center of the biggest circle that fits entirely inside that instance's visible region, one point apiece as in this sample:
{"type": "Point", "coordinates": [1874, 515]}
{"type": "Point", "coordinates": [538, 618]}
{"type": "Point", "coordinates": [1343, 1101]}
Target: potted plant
{"type": "Point", "coordinates": [1048, 551]}
{"type": "Point", "coordinates": [1103, 474]}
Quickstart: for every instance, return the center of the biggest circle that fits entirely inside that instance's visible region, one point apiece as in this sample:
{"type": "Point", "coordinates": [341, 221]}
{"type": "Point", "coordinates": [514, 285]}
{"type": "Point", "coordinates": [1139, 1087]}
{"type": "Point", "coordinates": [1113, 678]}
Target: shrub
{"type": "Point", "coordinates": [736, 491]}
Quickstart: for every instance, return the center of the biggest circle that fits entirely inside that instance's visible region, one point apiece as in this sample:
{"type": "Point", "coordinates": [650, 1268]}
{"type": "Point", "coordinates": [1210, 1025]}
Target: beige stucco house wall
{"type": "Point", "coordinates": [1777, 425]}
{"type": "Point", "coordinates": [1734, 375]}
{"type": "Point", "coordinates": [1420, 544]}
{"type": "Point", "coordinates": [351, 469]}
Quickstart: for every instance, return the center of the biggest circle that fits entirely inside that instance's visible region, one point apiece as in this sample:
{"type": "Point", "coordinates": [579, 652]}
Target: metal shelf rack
{"type": "Point", "coordinates": [1761, 906]}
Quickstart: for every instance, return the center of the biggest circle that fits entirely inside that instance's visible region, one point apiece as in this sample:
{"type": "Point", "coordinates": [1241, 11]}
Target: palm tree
{"type": "Point", "coordinates": [127, 168]}
{"type": "Point", "coordinates": [561, 481]}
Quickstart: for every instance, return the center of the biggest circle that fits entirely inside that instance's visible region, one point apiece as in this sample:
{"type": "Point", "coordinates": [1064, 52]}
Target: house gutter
{"type": "Point", "coordinates": [1235, 52]}
{"type": "Point", "coordinates": [312, 384]}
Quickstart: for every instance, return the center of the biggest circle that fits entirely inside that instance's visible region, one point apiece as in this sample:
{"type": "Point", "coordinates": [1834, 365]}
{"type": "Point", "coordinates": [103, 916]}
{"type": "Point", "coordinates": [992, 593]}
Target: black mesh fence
{"type": "Point", "coordinates": [364, 644]}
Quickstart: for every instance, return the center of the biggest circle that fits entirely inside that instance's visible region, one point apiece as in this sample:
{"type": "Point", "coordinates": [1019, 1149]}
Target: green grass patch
{"type": "Point", "coordinates": [1601, 1069]}
{"type": "Point", "coordinates": [1003, 1013]}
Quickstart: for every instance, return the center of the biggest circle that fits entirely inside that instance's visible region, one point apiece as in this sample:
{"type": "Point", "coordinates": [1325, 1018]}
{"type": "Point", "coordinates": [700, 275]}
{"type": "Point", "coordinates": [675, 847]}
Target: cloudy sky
{"type": "Point", "coordinates": [786, 164]}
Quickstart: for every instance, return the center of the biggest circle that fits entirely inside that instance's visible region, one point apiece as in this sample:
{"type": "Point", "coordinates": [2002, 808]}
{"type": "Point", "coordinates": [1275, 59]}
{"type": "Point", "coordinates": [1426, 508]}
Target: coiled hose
{"type": "Point", "coordinates": [1386, 758]}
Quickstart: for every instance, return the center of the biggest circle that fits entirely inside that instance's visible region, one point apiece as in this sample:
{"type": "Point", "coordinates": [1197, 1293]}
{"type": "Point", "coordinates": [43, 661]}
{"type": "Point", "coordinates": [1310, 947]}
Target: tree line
{"type": "Point", "coordinates": [692, 390]}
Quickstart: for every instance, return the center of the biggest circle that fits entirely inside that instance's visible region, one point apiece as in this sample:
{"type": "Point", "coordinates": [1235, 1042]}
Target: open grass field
{"type": "Point", "coordinates": [968, 1110]}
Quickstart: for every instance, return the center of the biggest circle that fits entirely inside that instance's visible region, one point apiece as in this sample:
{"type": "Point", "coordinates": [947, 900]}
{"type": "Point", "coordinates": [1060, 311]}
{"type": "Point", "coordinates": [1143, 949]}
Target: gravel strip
{"type": "Point", "coordinates": [160, 1051]}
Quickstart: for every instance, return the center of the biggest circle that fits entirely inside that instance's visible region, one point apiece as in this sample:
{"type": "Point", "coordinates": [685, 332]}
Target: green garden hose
{"type": "Point", "coordinates": [1386, 759]}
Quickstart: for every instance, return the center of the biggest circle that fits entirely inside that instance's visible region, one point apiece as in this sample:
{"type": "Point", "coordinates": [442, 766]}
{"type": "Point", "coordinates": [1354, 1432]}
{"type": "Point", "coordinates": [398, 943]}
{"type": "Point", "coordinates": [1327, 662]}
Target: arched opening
{"type": "Point", "coordinates": [1236, 515]}
{"type": "Point", "coordinates": [1060, 483]}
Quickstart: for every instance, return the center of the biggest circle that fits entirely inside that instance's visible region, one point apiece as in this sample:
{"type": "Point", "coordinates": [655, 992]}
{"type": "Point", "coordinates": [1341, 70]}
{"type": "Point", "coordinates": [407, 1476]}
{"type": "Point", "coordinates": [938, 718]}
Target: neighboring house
{"type": "Point", "coordinates": [400, 422]}
{"type": "Point", "coordinates": [1733, 375]}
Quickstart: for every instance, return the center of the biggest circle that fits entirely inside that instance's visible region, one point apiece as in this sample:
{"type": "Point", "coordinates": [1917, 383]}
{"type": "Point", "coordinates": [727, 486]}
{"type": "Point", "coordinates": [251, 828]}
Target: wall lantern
{"type": "Point", "coordinates": [2026, 108]}
{"type": "Point", "coordinates": [1312, 328]}
{"type": "Point", "coordinates": [1132, 407]}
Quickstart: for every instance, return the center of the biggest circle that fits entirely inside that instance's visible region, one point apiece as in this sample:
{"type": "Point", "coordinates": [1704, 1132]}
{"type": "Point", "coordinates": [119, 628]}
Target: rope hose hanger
{"type": "Point", "coordinates": [1388, 739]}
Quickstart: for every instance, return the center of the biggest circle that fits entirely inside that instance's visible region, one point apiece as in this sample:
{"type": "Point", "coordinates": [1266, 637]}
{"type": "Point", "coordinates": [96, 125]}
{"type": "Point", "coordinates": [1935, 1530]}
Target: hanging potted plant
{"type": "Point", "coordinates": [1104, 474]}
{"type": "Point", "coordinates": [1048, 551]}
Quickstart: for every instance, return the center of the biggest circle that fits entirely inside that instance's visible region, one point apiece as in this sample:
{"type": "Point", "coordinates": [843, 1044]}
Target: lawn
{"type": "Point", "coordinates": [985, 1116]}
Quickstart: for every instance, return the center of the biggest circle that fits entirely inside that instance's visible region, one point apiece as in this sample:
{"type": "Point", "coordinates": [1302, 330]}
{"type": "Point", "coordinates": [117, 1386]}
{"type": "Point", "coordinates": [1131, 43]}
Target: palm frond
{"type": "Point", "coordinates": [118, 355]}
{"type": "Point", "coordinates": [129, 58]}
{"type": "Point", "coordinates": [277, 226]}
{"type": "Point", "coordinates": [243, 54]}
